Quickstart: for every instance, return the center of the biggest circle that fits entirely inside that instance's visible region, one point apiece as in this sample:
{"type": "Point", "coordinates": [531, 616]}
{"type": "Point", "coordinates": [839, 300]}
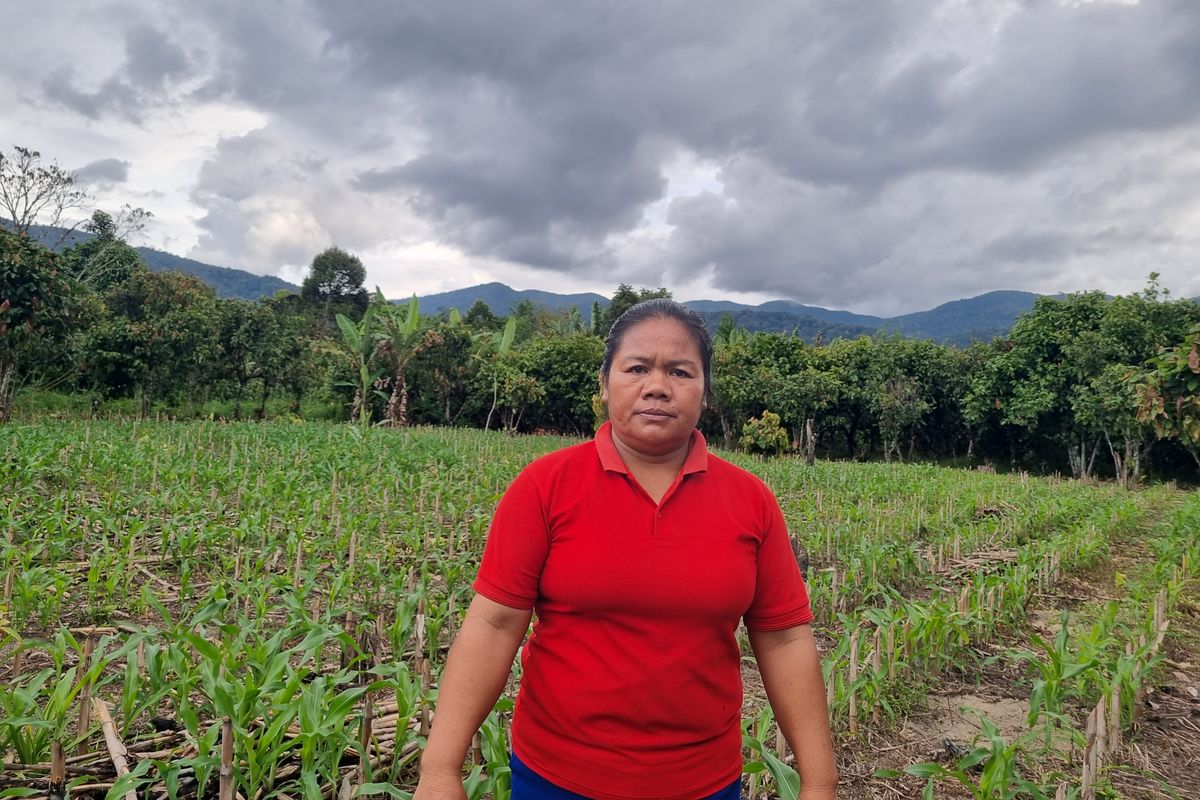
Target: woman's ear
{"type": "Point", "coordinates": [603, 388]}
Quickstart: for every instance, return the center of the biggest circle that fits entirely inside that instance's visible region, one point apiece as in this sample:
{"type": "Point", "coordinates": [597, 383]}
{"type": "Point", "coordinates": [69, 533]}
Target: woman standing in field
{"type": "Point", "coordinates": [640, 552]}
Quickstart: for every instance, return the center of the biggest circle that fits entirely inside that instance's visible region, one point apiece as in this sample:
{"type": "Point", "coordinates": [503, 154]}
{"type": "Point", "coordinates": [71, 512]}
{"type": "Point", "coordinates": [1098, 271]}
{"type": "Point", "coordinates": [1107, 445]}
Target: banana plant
{"type": "Point", "coordinates": [402, 340]}
{"type": "Point", "coordinates": [496, 346]}
{"type": "Point", "coordinates": [358, 348]}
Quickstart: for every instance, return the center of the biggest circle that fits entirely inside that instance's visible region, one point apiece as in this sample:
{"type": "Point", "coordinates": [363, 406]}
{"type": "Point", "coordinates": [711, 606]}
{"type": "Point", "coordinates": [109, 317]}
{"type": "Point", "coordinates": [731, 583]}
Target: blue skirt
{"type": "Point", "coordinates": [528, 785]}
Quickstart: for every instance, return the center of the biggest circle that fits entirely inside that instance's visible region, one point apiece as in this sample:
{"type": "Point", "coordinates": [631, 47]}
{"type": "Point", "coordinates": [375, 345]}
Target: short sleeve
{"type": "Point", "coordinates": [516, 547]}
{"type": "Point", "coordinates": [780, 596]}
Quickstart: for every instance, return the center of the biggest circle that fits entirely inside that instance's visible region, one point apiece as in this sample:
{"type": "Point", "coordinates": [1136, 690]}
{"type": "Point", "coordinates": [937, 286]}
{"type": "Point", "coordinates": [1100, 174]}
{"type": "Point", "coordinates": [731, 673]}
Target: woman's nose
{"type": "Point", "coordinates": [656, 384]}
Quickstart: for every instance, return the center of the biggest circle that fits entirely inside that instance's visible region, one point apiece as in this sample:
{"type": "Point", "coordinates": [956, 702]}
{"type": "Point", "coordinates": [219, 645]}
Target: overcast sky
{"type": "Point", "coordinates": [878, 156]}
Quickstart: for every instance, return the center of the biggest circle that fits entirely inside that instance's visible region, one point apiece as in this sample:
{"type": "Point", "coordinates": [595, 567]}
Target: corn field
{"type": "Point", "coordinates": [259, 611]}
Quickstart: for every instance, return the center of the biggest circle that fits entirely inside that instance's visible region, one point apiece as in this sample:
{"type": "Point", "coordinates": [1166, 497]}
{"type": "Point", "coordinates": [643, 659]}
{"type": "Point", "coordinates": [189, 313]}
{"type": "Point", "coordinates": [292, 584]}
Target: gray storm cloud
{"type": "Point", "coordinates": [141, 81]}
{"type": "Point", "coordinates": [104, 172]}
{"type": "Point", "coordinates": [889, 154]}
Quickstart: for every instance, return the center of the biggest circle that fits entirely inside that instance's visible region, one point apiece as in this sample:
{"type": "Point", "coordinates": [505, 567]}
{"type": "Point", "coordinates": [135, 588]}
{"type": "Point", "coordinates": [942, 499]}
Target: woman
{"type": "Point", "coordinates": [640, 553]}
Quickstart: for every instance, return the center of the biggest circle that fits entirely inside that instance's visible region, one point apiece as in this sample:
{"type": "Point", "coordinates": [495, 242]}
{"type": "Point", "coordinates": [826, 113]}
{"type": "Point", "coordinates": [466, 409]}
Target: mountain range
{"type": "Point", "coordinates": [958, 322]}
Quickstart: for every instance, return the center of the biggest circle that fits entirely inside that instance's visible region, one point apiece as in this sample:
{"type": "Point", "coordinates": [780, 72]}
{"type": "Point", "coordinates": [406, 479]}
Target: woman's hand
{"type": "Point", "coordinates": [791, 673]}
{"type": "Point", "coordinates": [441, 785]}
{"type": "Point", "coordinates": [475, 673]}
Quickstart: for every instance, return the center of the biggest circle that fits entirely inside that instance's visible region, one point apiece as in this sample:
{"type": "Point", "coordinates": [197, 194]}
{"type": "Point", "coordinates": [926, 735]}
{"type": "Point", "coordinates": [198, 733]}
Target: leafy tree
{"type": "Point", "coordinates": [1028, 376]}
{"type": "Point", "coordinates": [286, 361]}
{"type": "Point", "coordinates": [764, 435]}
{"type": "Point", "coordinates": [1109, 403]}
{"type": "Point", "coordinates": [532, 320]}
{"type": "Point", "coordinates": [32, 192]}
{"type": "Point", "coordinates": [1168, 393]}
{"type": "Point", "coordinates": [1030, 383]}
{"type": "Point", "coordinates": [726, 329]}
{"type": "Point", "coordinates": [159, 340]}
{"type": "Point", "coordinates": [35, 311]}
{"type": "Point", "coordinates": [735, 393]}
{"type": "Point", "coordinates": [569, 322]}
{"type": "Point", "coordinates": [853, 363]}
{"type": "Point", "coordinates": [480, 317]}
{"type": "Point", "coordinates": [626, 298]}
{"type": "Point", "coordinates": [900, 407]}
{"type": "Point", "coordinates": [106, 259]}
{"type": "Point", "coordinates": [516, 389]}
{"type": "Point", "coordinates": [566, 368]}
{"type": "Point", "coordinates": [596, 320]}
{"type": "Point", "coordinates": [335, 277]}
{"type": "Point", "coordinates": [441, 374]}
{"type": "Point", "coordinates": [802, 397]}
{"type": "Point", "coordinates": [251, 344]}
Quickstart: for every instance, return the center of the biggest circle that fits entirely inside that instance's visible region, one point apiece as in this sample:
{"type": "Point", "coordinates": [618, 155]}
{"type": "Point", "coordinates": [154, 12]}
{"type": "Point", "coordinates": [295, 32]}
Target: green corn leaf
{"type": "Point", "coordinates": [787, 780]}
{"type": "Point", "coordinates": [382, 788]}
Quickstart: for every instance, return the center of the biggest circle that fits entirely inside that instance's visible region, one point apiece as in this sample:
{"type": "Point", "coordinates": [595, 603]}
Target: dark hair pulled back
{"type": "Point", "coordinates": [661, 308]}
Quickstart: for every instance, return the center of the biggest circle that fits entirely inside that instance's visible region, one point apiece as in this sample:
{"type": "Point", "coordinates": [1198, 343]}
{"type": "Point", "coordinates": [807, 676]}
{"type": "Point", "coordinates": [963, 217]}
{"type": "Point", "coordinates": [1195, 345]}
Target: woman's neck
{"type": "Point", "coordinates": [637, 460]}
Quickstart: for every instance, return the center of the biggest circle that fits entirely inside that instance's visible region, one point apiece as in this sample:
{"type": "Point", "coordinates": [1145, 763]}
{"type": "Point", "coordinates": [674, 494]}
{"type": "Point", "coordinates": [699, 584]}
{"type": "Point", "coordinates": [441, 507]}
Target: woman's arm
{"type": "Point", "coordinates": [791, 673]}
{"type": "Point", "coordinates": [476, 670]}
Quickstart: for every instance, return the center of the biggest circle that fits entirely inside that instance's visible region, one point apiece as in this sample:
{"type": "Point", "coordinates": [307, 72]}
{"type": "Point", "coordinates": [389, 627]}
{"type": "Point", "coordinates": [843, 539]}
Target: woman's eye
{"type": "Point", "coordinates": [637, 369]}
{"type": "Point", "coordinates": [681, 373]}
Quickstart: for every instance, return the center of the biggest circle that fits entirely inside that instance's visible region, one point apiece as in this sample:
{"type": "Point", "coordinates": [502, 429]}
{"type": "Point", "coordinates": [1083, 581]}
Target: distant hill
{"type": "Point", "coordinates": [816, 312]}
{"type": "Point", "coordinates": [501, 299]}
{"type": "Point", "coordinates": [979, 318]}
{"type": "Point", "coordinates": [225, 281]}
{"type": "Point", "coordinates": [959, 322]}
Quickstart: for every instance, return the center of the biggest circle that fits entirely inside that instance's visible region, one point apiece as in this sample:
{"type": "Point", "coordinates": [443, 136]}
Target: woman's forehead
{"type": "Point", "coordinates": [654, 336]}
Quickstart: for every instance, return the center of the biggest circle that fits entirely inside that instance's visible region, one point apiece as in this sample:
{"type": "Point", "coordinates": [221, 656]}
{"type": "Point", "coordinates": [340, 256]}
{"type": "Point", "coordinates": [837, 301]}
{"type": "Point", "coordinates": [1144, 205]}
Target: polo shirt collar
{"type": "Point", "coordinates": [610, 459]}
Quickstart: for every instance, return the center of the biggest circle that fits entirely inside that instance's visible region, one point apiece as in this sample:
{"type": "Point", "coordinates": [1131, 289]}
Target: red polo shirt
{"type": "Point", "coordinates": [631, 684]}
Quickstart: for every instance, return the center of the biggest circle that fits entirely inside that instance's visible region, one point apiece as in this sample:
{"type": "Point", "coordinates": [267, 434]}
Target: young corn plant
{"type": "Point", "coordinates": [1055, 668]}
{"type": "Point", "coordinates": [35, 714]}
{"type": "Point", "coordinates": [494, 776]}
{"type": "Point", "coordinates": [763, 760]}
{"type": "Point", "coordinates": [988, 772]}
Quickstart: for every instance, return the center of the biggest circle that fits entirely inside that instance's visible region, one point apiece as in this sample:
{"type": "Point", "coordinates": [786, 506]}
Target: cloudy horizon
{"type": "Point", "coordinates": [880, 157]}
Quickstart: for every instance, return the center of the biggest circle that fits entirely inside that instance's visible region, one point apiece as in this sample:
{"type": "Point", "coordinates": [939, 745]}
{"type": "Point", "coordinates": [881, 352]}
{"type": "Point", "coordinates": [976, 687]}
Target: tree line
{"type": "Point", "coordinates": [1087, 384]}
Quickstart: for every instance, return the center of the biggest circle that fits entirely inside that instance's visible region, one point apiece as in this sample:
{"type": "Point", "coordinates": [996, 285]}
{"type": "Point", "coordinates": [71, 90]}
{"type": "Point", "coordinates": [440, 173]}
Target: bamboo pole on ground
{"type": "Point", "coordinates": [116, 750]}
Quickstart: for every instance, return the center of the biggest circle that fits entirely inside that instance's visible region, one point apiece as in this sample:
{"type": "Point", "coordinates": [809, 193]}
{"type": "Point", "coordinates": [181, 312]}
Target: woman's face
{"type": "Point", "coordinates": [655, 387]}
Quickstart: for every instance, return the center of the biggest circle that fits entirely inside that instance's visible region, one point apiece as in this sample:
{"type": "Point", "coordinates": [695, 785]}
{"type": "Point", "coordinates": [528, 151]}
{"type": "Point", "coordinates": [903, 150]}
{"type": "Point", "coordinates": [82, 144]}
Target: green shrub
{"type": "Point", "coordinates": [765, 435]}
